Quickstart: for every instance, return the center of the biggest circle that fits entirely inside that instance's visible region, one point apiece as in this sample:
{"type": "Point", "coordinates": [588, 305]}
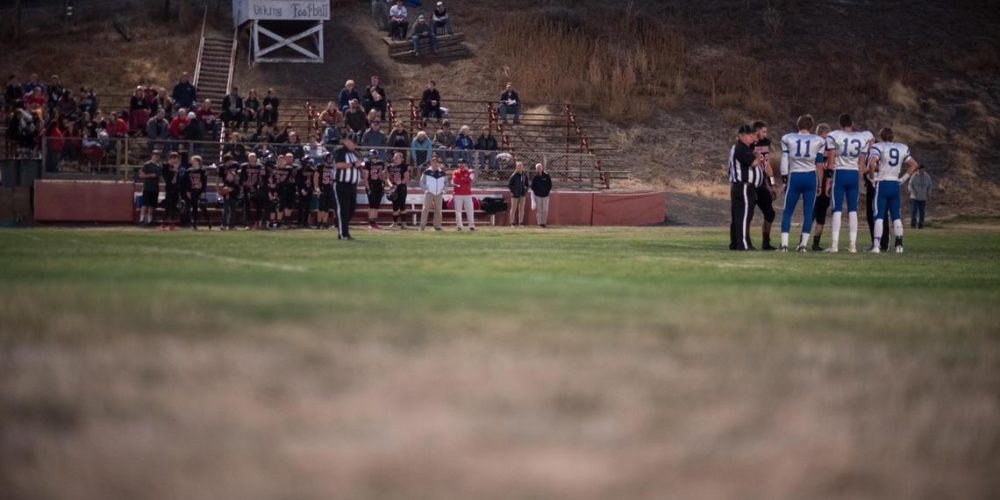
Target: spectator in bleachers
{"type": "Point", "coordinates": [373, 138]}
{"type": "Point", "coordinates": [398, 25]}
{"type": "Point", "coordinates": [54, 92]}
{"type": "Point", "coordinates": [423, 29]}
{"type": "Point", "coordinates": [375, 97]}
{"type": "Point", "coordinates": [32, 84]}
{"type": "Point", "coordinates": [464, 145]}
{"type": "Point", "coordinates": [486, 144]}
{"type": "Point", "coordinates": [433, 181]}
{"type": "Point", "coordinates": [347, 94]}
{"type": "Point", "coordinates": [88, 100]}
{"type": "Point", "coordinates": [442, 19]}
{"type": "Point", "coordinates": [116, 126]}
{"type": "Point", "coordinates": [518, 185]}
{"type": "Point", "coordinates": [267, 116]}
{"type": "Point", "coordinates": [330, 116]}
{"type": "Point", "coordinates": [158, 130]}
{"type": "Point", "coordinates": [444, 143]}
{"type": "Point", "coordinates": [251, 108]}
{"type": "Point", "coordinates": [355, 119]}
{"type": "Point", "coordinates": [67, 106]}
{"type": "Point", "coordinates": [421, 149]}
{"type": "Point", "coordinates": [55, 144]}
{"type": "Point", "coordinates": [206, 115]}
{"type": "Point", "coordinates": [510, 103]}
{"type": "Point", "coordinates": [194, 131]}
{"type": "Point", "coordinates": [315, 149]}
{"type": "Point", "coordinates": [73, 138]}
{"type": "Point", "coordinates": [138, 109]}
{"type": "Point", "coordinates": [541, 187]}
{"type": "Point", "coordinates": [331, 136]}
{"type": "Point", "coordinates": [152, 98]}
{"type": "Point", "coordinates": [184, 93]}
{"type": "Point", "coordinates": [235, 147]}
{"type": "Point", "coordinates": [232, 108]}
{"type": "Point", "coordinates": [293, 146]}
{"type": "Point", "coordinates": [430, 102]}
{"type": "Point", "coordinates": [398, 138]}
{"type": "Point", "coordinates": [13, 93]}
{"type": "Point", "coordinates": [271, 99]}
{"type": "Point", "coordinates": [35, 102]}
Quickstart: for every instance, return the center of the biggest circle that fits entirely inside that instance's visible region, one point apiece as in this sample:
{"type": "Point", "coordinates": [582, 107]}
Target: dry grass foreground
{"type": "Point", "coordinates": [603, 367]}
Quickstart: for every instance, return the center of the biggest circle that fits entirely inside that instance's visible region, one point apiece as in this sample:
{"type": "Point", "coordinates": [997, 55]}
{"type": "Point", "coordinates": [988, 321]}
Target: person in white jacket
{"type": "Point", "coordinates": [433, 181]}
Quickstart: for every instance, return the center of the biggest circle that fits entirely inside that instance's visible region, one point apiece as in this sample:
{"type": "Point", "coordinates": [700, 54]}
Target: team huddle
{"type": "Point", "coordinates": [818, 167]}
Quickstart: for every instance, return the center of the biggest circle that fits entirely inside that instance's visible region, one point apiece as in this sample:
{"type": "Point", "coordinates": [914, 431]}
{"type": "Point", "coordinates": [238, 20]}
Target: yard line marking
{"type": "Point", "coordinates": [206, 255]}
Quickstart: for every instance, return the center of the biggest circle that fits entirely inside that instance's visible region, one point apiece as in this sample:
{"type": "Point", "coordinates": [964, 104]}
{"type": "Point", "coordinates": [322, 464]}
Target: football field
{"type": "Point", "coordinates": [572, 363]}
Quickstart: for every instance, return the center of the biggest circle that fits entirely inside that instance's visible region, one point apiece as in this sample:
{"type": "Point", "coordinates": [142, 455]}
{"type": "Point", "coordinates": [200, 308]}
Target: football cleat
{"type": "Point", "coordinates": [852, 249]}
{"type": "Point", "coordinates": [831, 250]}
{"type": "Point", "coordinates": [899, 248]}
{"type": "Point", "coordinates": [802, 249]}
{"type": "Point", "coordinates": [783, 249]}
{"type": "Point", "coordinates": [874, 250]}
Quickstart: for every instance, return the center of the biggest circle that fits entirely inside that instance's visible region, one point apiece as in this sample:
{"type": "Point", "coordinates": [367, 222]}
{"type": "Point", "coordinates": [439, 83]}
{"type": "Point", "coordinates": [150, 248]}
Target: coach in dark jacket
{"type": "Point", "coordinates": [541, 186]}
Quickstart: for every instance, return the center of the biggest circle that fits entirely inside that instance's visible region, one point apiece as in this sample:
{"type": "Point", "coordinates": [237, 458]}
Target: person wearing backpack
{"type": "Point", "coordinates": [518, 185]}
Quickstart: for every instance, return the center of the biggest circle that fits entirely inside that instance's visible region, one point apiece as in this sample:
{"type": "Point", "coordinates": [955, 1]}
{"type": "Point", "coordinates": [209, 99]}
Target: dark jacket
{"type": "Point", "coordinates": [541, 184]}
{"type": "Point", "coordinates": [486, 143]}
{"type": "Point", "coordinates": [428, 96]}
{"type": "Point", "coordinates": [518, 184]}
{"type": "Point", "coordinates": [185, 94]}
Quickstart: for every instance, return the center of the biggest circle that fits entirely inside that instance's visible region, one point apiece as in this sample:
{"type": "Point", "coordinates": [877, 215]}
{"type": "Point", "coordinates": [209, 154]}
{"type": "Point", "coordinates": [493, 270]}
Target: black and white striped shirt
{"type": "Point", "coordinates": [741, 167]}
{"type": "Point", "coordinates": [350, 175]}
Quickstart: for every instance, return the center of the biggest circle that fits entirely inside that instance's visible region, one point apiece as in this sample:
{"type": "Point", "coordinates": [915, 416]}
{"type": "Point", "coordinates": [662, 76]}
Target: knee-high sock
{"type": "Point", "coordinates": [852, 227]}
{"type": "Point", "coordinates": [878, 232]}
{"type": "Point", "coordinates": [897, 225]}
{"type": "Point", "coordinates": [805, 240]}
{"type": "Point", "coordinates": [784, 239]}
{"type": "Point", "coordinates": [835, 229]}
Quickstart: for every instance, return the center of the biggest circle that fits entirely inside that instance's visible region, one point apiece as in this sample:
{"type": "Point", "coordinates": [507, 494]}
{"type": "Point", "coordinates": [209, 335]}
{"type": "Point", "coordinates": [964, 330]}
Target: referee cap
{"type": "Point", "coordinates": [745, 129]}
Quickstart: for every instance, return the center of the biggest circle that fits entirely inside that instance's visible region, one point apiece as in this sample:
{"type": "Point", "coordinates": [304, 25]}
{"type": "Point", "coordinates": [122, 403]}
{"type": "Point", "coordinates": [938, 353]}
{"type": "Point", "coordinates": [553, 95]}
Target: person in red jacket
{"type": "Point", "coordinates": [461, 180]}
{"type": "Point", "coordinates": [178, 123]}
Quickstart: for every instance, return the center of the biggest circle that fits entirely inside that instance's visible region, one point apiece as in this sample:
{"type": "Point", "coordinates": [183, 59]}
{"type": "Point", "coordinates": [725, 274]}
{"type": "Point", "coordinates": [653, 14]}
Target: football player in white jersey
{"type": "Point", "coordinates": [885, 161]}
{"type": "Point", "coordinates": [798, 162]}
{"type": "Point", "coordinates": [846, 150]}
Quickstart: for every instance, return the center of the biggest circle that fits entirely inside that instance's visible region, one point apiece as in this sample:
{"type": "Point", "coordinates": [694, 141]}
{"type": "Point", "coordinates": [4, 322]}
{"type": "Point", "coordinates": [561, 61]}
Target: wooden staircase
{"type": "Point", "coordinates": [214, 63]}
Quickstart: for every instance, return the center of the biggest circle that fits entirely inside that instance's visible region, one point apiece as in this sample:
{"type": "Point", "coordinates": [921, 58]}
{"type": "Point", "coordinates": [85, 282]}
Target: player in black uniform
{"type": "Point", "coordinates": [271, 186]}
{"type": "Point", "coordinates": [230, 192]}
{"type": "Point", "coordinates": [324, 181]}
{"type": "Point", "coordinates": [150, 177]}
{"type": "Point", "coordinates": [251, 180]}
{"type": "Point", "coordinates": [171, 178]}
{"type": "Point", "coordinates": [192, 184]}
{"type": "Point", "coordinates": [375, 176]}
{"type": "Point", "coordinates": [399, 177]}
{"type": "Point", "coordinates": [765, 183]}
{"type": "Point", "coordinates": [286, 189]}
{"type": "Point", "coordinates": [306, 187]}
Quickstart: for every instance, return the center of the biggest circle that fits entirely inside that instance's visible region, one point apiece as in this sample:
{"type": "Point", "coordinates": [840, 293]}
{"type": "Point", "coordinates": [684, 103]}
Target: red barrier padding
{"type": "Point", "coordinates": [83, 201]}
{"type": "Point", "coordinates": [629, 209]}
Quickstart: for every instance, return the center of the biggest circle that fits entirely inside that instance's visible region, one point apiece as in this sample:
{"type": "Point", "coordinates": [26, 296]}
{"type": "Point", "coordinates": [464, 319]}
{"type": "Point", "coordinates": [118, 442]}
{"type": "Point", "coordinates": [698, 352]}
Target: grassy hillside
{"type": "Point", "coordinates": [570, 363]}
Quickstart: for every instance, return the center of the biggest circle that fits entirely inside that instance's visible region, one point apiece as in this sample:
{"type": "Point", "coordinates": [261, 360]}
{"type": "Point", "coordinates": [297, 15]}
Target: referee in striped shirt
{"type": "Point", "coordinates": [745, 173]}
{"type": "Point", "coordinates": [347, 175]}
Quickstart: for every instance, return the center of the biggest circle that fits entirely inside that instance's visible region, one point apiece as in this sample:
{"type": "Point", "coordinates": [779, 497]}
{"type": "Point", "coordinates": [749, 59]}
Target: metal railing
{"type": "Point", "coordinates": [201, 48]}
{"type": "Point", "coordinates": [119, 157]}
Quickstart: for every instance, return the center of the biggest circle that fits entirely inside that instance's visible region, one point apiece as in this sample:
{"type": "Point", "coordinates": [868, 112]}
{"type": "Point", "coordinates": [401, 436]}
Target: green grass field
{"type": "Point", "coordinates": [571, 363]}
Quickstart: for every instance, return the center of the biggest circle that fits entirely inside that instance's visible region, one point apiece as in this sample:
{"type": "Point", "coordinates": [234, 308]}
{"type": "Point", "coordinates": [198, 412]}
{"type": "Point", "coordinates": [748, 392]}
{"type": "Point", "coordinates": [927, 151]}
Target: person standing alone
{"type": "Point", "coordinates": [541, 187]}
{"type": "Point", "coordinates": [920, 188]}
